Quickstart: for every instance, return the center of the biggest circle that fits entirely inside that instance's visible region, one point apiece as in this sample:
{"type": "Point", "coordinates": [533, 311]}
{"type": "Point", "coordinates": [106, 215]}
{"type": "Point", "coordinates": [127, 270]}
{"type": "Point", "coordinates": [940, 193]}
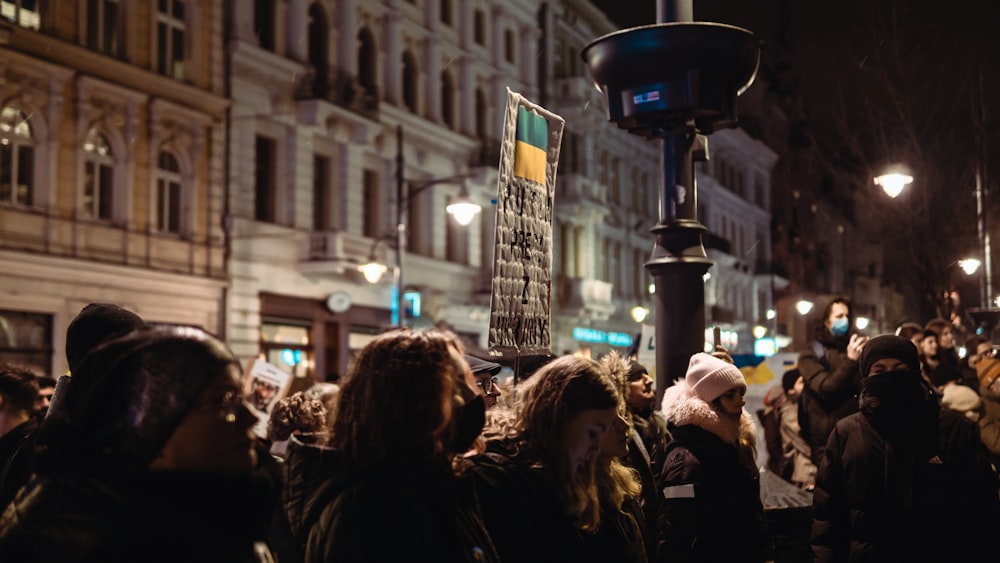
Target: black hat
{"type": "Point", "coordinates": [129, 395]}
{"type": "Point", "coordinates": [636, 370]}
{"type": "Point", "coordinates": [97, 323]}
{"type": "Point", "coordinates": [789, 378]}
{"type": "Point", "coordinates": [889, 346]}
{"type": "Point", "coordinates": [480, 366]}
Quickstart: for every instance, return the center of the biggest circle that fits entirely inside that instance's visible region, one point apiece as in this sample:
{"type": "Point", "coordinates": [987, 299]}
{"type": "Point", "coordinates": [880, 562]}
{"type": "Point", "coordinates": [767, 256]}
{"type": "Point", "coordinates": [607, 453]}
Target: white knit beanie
{"type": "Point", "coordinates": [708, 376]}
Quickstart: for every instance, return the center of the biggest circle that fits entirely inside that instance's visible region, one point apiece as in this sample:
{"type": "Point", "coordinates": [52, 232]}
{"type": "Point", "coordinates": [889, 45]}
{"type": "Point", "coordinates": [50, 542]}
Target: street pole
{"type": "Point", "coordinates": [675, 82]}
{"type": "Point", "coordinates": [986, 282]}
{"type": "Point", "coordinates": [397, 274]}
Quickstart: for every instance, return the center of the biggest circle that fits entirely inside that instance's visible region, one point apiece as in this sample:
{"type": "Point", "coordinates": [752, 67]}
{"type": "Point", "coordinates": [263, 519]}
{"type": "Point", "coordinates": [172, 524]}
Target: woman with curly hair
{"type": "Point", "coordinates": [536, 482]}
{"type": "Point", "coordinates": [385, 487]}
{"type": "Point", "coordinates": [620, 536]}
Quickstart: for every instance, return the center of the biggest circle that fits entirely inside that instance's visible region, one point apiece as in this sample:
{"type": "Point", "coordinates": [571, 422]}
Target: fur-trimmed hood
{"type": "Point", "coordinates": [682, 407]}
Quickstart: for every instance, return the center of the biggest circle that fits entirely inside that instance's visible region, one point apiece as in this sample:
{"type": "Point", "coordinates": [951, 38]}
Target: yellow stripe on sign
{"type": "Point", "coordinates": [529, 162]}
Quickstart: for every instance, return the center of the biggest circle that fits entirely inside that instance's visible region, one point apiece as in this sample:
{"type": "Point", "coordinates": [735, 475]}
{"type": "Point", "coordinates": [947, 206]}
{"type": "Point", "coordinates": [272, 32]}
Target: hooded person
{"type": "Point", "coordinates": [94, 324]}
{"type": "Point", "coordinates": [711, 508]}
{"type": "Point", "coordinates": [895, 472]}
{"type": "Point", "coordinates": [149, 458]}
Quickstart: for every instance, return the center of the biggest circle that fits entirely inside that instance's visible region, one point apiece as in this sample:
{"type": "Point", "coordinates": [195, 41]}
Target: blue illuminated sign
{"type": "Point", "coordinates": [584, 334]}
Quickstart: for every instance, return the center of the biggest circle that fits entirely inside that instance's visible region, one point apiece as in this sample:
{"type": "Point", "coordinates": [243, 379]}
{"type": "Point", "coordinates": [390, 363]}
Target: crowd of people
{"type": "Point", "coordinates": [144, 452]}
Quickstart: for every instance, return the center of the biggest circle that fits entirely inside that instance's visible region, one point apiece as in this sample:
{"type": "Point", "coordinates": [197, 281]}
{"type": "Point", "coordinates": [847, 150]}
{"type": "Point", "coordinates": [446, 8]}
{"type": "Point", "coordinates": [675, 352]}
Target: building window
{"type": "Point", "coordinates": [367, 63]}
{"type": "Point", "coordinates": [448, 99]}
{"type": "Point", "coordinates": [287, 346]}
{"type": "Point", "coordinates": [372, 227]}
{"type": "Point", "coordinates": [263, 23]}
{"type": "Point", "coordinates": [479, 27]}
{"type": "Point", "coordinates": [317, 50]}
{"type": "Point", "coordinates": [98, 177]}
{"type": "Point", "coordinates": [508, 46]}
{"type": "Point", "coordinates": [103, 26]}
{"type": "Point", "coordinates": [266, 180]}
{"type": "Point", "coordinates": [168, 194]}
{"type": "Point", "coordinates": [481, 116]}
{"type": "Point", "coordinates": [24, 13]}
{"type": "Point", "coordinates": [17, 158]}
{"type": "Point", "coordinates": [171, 28]}
{"type": "Point", "coordinates": [26, 340]}
{"type": "Point", "coordinates": [410, 82]}
{"type": "Point", "coordinates": [446, 12]}
{"type": "Point", "coordinates": [322, 216]}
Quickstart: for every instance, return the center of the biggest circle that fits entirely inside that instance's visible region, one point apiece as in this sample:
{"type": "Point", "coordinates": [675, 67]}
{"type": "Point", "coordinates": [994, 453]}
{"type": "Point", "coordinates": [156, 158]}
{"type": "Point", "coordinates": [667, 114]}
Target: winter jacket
{"type": "Point", "coordinates": [523, 513]}
{"type": "Point", "coordinates": [16, 454]}
{"type": "Point", "coordinates": [904, 485]}
{"type": "Point", "coordinates": [401, 511]}
{"type": "Point", "coordinates": [989, 423]}
{"type": "Point", "coordinates": [646, 447]}
{"type": "Point", "coordinates": [711, 510]}
{"type": "Point", "coordinates": [152, 517]}
{"type": "Point", "coordinates": [831, 386]}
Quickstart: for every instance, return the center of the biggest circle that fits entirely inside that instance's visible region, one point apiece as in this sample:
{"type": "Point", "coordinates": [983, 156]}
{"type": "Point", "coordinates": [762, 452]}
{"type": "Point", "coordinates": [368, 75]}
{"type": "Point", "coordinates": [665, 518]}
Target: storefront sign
{"type": "Point", "coordinates": [584, 334]}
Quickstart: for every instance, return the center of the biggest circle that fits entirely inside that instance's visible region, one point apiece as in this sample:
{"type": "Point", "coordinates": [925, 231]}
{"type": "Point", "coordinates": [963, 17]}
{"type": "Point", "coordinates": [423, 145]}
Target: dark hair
{"type": "Point", "coordinates": [44, 381]}
{"type": "Point", "coordinates": [395, 403]}
{"type": "Point", "coordinates": [18, 387]}
{"type": "Point", "coordinates": [843, 300]}
{"type": "Point", "coordinates": [937, 325]}
{"type": "Point", "coordinates": [972, 344]}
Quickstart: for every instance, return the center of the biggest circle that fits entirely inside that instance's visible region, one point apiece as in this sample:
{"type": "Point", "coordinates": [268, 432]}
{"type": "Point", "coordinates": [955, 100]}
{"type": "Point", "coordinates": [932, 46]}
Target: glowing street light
{"type": "Point", "coordinates": [639, 313]}
{"type": "Point", "coordinates": [803, 306]}
{"type": "Point", "coordinates": [893, 183]}
{"type": "Point", "coordinates": [759, 332]}
{"type": "Point", "coordinates": [862, 323]}
{"type": "Point", "coordinates": [969, 265]}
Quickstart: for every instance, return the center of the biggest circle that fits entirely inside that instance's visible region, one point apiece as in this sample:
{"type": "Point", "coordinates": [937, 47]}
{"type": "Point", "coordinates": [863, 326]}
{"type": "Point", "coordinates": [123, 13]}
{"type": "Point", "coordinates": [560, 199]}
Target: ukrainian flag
{"type": "Point", "coordinates": [531, 142]}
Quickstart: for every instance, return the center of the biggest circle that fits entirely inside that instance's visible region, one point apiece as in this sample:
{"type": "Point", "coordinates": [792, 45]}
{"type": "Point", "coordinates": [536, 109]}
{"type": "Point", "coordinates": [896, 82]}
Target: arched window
{"type": "Point", "coordinates": [168, 194]}
{"type": "Point", "coordinates": [448, 99]}
{"type": "Point", "coordinates": [317, 50]}
{"type": "Point", "coordinates": [98, 177]}
{"type": "Point", "coordinates": [410, 81]}
{"type": "Point", "coordinates": [367, 63]}
{"type": "Point", "coordinates": [17, 158]}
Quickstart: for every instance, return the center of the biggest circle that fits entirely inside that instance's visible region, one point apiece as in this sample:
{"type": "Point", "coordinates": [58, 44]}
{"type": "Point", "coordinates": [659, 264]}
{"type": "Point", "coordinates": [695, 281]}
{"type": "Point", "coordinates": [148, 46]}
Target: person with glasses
{"type": "Point", "coordinates": [149, 458]}
{"type": "Point", "coordinates": [485, 373]}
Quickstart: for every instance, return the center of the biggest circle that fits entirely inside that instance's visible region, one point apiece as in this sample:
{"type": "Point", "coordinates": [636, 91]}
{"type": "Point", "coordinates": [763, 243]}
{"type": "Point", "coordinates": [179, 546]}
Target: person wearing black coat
{"type": "Point", "coordinates": [385, 487]}
{"type": "Point", "coordinates": [711, 510]}
{"type": "Point", "coordinates": [829, 369]}
{"type": "Point", "coordinates": [902, 479]}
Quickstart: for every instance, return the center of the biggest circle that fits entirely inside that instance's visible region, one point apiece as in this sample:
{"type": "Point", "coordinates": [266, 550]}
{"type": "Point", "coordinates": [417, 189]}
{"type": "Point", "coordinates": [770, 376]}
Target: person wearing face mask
{"type": "Point", "coordinates": [897, 475]}
{"type": "Point", "coordinates": [829, 369]}
{"type": "Point", "coordinates": [711, 508]}
{"type": "Point", "coordinates": [387, 486]}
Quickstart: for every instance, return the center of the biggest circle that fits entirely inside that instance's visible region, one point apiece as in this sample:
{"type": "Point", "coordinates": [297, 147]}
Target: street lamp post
{"type": "Point", "coordinates": [463, 210]}
{"type": "Point", "coordinates": [675, 82]}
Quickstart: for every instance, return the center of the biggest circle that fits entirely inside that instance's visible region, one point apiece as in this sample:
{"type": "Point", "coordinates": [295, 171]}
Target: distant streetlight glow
{"type": "Point", "coordinates": [639, 313]}
{"type": "Point", "coordinates": [759, 331]}
{"type": "Point", "coordinates": [372, 271]}
{"type": "Point", "coordinates": [893, 183]}
{"type": "Point", "coordinates": [463, 210]}
{"type": "Point", "coordinates": [862, 322]}
{"type": "Point", "coordinates": [770, 314]}
{"type": "Point", "coordinates": [969, 265]}
{"type": "Point", "coordinates": [803, 306]}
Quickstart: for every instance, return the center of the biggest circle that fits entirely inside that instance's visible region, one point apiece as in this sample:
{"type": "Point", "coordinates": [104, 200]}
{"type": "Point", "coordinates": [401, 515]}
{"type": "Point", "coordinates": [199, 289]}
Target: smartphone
{"type": "Point", "coordinates": [716, 337]}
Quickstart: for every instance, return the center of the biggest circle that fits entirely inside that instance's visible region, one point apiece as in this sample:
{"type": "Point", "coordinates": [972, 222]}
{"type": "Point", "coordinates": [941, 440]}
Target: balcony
{"type": "Point", "coordinates": [338, 253]}
{"type": "Point", "coordinates": [586, 298]}
{"type": "Point", "coordinates": [341, 89]}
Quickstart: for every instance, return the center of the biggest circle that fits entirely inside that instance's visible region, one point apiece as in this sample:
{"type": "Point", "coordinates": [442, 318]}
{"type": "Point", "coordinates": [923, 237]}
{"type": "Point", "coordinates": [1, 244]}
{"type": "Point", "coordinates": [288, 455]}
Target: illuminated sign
{"type": "Point", "coordinates": [584, 334]}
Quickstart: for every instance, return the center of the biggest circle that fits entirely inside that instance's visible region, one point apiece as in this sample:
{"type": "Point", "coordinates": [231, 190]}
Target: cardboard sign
{"type": "Point", "coordinates": [263, 386]}
{"type": "Point", "coordinates": [646, 354]}
{"type": "Point", "coordinates": [520, 307]}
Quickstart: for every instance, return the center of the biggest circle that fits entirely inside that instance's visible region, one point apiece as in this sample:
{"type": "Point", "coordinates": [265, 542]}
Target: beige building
{"type": "Point", "coordinates": [111, 167]}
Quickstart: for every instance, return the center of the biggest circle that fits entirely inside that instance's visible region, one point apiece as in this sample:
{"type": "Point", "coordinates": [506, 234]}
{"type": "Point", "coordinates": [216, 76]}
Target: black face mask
{"type": "Point", "coordinates": [896, 394]}
{"type": "Point", "coordinates": [468, 425]}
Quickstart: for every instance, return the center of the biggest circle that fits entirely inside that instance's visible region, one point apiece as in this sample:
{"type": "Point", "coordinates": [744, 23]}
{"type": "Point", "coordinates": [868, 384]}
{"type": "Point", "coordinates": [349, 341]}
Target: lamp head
{"type": "Point", "coordinates": [372, 271]}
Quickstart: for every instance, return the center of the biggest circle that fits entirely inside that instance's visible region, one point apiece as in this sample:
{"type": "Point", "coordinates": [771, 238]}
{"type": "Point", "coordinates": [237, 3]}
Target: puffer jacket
{"type": "Point", "coordinates": [399, 512]}
{"type": "Point", "coordinates": [904, 486]}
{"type": "Point", "coordinates": [711, 509]}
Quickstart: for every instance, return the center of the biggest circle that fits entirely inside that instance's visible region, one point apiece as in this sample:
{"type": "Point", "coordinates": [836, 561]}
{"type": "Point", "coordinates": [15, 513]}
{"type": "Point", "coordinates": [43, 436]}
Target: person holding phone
{"type": "Point", "coordinates": [829, 368]}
